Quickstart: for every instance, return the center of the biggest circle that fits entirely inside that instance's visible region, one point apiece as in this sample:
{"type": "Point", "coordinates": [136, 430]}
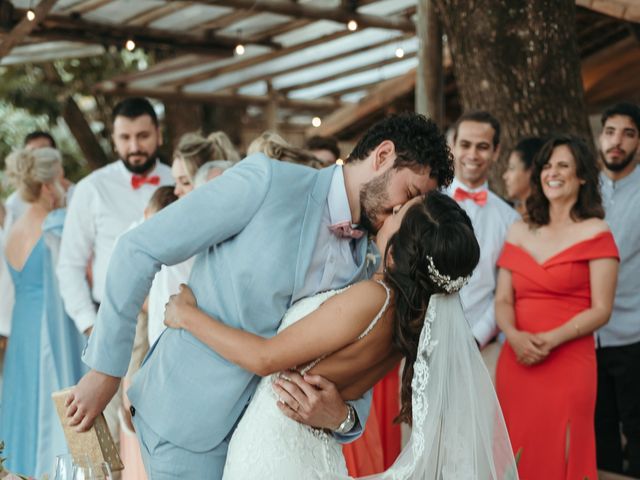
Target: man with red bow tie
{"type": "Point", "coordinates": [476, 145]}
{"type": "Point", "coordinates": [105, 204]}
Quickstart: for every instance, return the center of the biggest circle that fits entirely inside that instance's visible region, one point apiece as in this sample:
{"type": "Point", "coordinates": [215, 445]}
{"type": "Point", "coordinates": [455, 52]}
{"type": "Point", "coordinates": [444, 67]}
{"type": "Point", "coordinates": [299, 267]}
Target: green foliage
{"type": "Point", "coordinates": [33, 96]}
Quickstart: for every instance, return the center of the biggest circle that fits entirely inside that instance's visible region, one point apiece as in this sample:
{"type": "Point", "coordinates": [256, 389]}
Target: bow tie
{"type": "Point", "coordinates": [138, 180]}
{"type": "Point", "coordinates": [480, 198]}
{"type": "Point", "coordinates": [345, 230]}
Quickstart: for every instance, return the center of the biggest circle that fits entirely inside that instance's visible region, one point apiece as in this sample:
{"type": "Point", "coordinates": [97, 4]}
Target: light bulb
{"type": "Point", "coordinates": [239, 49]}
{"type": "Point", "coordinates": [316, 122]}
{"type": "Point", "coordinates": [31, 15]}
{"type": "Point", "coordinates": [130, 45]}
{"type": "Point", "coordinates": [399, 52]}
{"type": "Point", "coordinates": [352, 25]}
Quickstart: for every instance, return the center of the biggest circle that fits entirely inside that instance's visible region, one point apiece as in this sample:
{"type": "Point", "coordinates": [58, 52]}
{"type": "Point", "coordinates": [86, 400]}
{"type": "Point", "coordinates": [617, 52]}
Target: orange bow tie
{"type": "Point", "coordinates": [138, 180]}
{"type": "Point", "coordinates": [480, 198]}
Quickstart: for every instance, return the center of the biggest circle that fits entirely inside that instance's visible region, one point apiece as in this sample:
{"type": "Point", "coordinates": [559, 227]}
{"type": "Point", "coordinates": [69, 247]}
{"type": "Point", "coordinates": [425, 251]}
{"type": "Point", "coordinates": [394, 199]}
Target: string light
{"type": "Point", "coordinates": [130, 45]}
{"type": "Point", "coordinates": [316, 122]}
{"type": "Point", "coordinates": [31, 15]}
{"type": "Point", "coordinates": [399, 52]}
{"type": "Point", "coordinates": [239, 50]}
{"type": "Point", "coordinates": [352, 25]}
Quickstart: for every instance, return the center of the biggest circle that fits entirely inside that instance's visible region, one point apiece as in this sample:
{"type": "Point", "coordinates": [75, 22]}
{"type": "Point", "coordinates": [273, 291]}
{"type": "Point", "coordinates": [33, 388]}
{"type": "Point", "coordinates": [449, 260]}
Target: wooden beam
{"type": "Point", "coordinates": [25, 26]}
{"type": "Point", "coordinates": [85, 6]}
{"type": "Point", "coordinates": [321, 104]}
{"type": "Point", "coordinates": [352, 71]}
{"type": "Point", "coordinates": [312, 63]}
{"type": "Point", "coordinates": [147, 17]}
{"type": "Point", "coordinates": [223, 20]}
{"type": "Point", "coordinates": [60, 27]}
{"type": "Point", "coordinates": [248, 62]}
{"type": "Point", "coordinates": [278, 30]}
{"type": "Point", "coordinates": [429, 99]}
{"type": "Point", "coordinates": [622, 9]}
{"type": "Point", "coordinates": [379, 97]}
{"type": "Point", "coordinates": [298, 10]}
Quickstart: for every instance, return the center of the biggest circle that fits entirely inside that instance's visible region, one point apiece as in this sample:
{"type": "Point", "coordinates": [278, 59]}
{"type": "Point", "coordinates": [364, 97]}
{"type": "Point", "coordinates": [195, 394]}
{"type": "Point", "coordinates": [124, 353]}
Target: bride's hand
{"type": "Point", "coordinates": [176, 306]}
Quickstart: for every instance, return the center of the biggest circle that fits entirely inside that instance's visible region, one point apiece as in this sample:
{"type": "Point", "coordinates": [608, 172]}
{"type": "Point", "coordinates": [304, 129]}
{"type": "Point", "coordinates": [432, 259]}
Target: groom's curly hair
{"type": "Point", "coordinates": [418, 143]}
{"type": "Point", "coordinates": [439, 228]}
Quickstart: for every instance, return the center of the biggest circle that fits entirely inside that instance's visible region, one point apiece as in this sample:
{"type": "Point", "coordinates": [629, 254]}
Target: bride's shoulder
{"type": "Point", "coordinates": [364, 295]}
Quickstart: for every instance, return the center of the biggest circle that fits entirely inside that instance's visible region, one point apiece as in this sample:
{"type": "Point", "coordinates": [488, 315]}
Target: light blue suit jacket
{"type": "Point", "coordinates": [254, 230]}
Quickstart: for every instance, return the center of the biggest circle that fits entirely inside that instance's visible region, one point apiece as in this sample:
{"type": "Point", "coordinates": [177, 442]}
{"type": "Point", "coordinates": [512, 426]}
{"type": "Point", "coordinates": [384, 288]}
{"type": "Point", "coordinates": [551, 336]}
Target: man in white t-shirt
{"type": "Point", "coordinates": [476, 146]}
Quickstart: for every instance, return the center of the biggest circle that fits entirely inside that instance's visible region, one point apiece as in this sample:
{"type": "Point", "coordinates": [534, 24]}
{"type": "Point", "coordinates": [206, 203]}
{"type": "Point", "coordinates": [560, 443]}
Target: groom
{"type": "Point", "coordinates": [266, 233]}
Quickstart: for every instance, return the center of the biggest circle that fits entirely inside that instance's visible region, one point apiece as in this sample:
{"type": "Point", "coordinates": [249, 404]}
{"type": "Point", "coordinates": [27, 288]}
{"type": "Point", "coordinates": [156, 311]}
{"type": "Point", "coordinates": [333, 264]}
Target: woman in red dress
{"type": "Point", "coordinates": [556, 285]}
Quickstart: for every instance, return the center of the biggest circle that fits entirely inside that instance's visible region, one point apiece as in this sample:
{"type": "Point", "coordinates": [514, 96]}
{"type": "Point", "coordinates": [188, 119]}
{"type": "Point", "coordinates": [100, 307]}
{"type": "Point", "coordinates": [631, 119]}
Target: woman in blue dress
{"type": "Point", "coordinates": [43, 352]}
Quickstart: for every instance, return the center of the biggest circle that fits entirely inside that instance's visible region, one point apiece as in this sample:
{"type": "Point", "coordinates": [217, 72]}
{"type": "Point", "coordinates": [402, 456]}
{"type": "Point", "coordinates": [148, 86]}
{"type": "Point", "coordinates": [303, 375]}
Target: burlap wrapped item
{"type": "Point", "coordinates": [97, 443]}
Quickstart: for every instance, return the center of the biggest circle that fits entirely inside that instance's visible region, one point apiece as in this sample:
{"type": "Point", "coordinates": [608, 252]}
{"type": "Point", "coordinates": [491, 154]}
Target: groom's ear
{"type": "Point", "coordinates": [384, 155]}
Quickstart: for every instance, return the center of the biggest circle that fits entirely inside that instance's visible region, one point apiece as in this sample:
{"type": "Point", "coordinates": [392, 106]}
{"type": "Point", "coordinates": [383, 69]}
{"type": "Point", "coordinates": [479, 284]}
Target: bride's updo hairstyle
{"type": "Point", "coordinates": [28, 169]}
{"type": "Point", "coordinates": [435, 229]}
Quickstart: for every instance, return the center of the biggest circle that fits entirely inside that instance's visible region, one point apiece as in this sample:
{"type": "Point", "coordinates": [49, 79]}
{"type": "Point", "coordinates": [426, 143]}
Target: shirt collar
{"type": "Point", "coordinates": [337, 199]}
{"type": "Point", "coordinates": [633, 177]}
{"type": "Point", "coordinates": [458, 184]}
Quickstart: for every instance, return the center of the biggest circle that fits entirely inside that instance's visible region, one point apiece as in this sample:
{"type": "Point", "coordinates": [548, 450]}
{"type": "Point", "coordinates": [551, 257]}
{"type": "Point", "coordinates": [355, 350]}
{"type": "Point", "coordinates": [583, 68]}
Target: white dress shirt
{"type": "Point", "coordinates": [166, 283]}
{"type": "Point", "coordinates": [103, 206]}
{"type": "Point", "coordinates": [332, 262]}
{"type": "Point", "coordinates": [490, 223]}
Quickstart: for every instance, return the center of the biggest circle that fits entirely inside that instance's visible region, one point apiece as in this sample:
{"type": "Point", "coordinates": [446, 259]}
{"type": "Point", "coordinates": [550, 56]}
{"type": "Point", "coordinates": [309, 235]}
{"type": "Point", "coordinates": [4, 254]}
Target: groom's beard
{"type": "Point", "coordinates": [373, 198]}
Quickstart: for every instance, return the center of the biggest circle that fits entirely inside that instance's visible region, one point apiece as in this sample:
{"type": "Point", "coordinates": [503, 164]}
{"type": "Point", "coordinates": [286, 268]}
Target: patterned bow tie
{"type": "Point", "coordinates": [138, 180]}
{"type": "Point", "coordinates": [480, 198]}
{"type": "Point", "coordinates": [345, 230]}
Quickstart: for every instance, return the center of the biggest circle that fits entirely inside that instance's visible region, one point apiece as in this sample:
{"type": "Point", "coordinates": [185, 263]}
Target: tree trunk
{"type": "Point", "coordinates": [517, 59]}
{"type": "Point", "coordinates": [81, 131]}
{"type": "Point", "coordinates": [430, 72]}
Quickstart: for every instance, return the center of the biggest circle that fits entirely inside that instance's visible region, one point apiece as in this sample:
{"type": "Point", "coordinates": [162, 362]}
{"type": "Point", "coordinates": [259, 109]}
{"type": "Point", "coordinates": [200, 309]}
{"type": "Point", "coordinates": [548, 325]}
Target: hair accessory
{"type": "Point", "coordinates": [444, 281]}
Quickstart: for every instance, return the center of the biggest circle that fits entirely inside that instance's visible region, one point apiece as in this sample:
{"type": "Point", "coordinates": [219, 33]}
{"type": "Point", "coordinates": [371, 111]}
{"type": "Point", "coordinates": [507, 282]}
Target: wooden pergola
{"type": "Point", "coordinates": [345, 61]}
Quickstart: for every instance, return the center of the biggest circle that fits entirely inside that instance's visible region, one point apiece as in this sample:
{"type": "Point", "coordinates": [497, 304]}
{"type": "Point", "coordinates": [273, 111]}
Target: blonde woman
{"type": "Point", "coordinates": [43, 353]}
{"type": "Point", "coordinates": [276, 147]}
{"type": "Point", "coordinates": [193, 151]}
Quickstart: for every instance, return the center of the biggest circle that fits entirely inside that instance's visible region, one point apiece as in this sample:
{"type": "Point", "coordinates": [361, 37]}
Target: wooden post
{"type": "Point", "coordinates": [271, 110]}
{"type": "Point", "coordinates": [429, 97]}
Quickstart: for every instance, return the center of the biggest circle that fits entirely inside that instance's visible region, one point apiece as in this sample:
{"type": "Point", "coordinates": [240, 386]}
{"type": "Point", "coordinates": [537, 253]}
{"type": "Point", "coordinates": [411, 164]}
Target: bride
{"type": "Point", "coordinates": [353, 337]}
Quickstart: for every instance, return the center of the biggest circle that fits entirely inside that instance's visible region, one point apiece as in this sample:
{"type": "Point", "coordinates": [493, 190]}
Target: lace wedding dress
{"type": "Point", "coordinates": [267, 444]}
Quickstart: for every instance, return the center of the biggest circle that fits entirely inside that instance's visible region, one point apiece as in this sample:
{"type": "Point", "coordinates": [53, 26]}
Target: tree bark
{"type": "Point", "coordinates": [517, 59]}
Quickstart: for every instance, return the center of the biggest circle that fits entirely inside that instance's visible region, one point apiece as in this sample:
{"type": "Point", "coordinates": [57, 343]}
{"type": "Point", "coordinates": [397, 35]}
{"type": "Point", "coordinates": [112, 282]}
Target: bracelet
{"type": "Point", "coordinates": [348, 423]}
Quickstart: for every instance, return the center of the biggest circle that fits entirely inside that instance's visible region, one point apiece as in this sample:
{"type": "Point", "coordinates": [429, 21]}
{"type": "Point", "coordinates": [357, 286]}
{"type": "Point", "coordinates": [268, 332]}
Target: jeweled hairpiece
{"type": "Point", "coordinates": [445, 282]}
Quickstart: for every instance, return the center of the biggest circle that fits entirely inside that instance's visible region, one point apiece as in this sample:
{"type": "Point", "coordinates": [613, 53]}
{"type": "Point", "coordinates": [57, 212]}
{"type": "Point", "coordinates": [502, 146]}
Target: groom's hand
{"type": "Point", "coordinates": [89, 398]}
{"type": "Point", "coordinates": [311, 400]}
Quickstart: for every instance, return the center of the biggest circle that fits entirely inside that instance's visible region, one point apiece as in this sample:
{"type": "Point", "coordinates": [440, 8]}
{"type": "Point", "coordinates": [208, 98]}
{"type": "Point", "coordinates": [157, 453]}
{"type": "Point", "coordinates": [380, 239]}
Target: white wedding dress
{"type": "Point", "coordinates": [269, 445]}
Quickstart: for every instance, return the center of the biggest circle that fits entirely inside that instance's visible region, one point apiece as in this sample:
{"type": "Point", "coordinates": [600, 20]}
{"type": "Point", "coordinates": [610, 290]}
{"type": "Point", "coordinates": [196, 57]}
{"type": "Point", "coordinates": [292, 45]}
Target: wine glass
{"type": "Point", "coordinates": [92, 471]}
{"type": "Point", "coordinates": [64, 467]}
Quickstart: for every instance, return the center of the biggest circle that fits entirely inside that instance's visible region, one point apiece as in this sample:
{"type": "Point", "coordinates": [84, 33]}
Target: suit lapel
{"type": "Point", "coordinates": [316, 203]}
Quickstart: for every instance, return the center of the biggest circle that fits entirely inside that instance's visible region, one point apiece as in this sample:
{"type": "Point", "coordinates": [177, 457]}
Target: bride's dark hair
{"type": "Point", "coordinates": [439, 228]}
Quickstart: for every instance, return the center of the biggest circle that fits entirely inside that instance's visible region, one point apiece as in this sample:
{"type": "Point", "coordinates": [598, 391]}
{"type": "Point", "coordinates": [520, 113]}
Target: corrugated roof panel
{"type": "Point", "coordinates": [324, 50]}
{"type": "Point", "coordinates": [385, 52]}
{"type": "Point", "coordinates": [190, 16]}
{"type": "Point", "coordinates": [309, 32]}
{"type": "Point", "coordinates": [376, 75]}
{"type": "Point", "coordinates": [386, 7]}
{"type": "Point", "coordinates": [258, 88]}
{"type": "Point", "coordinates": [254, 24]}
{"type": "Point", "coordinates": [49, 51]}
{"type": "Point", "coordinates": [118, 11]}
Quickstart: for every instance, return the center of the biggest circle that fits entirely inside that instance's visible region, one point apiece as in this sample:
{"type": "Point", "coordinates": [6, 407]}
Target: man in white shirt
{"type": "Point", "coordinates": [105, 204]}
{"type": "Point", "coordinates": [476, 145]}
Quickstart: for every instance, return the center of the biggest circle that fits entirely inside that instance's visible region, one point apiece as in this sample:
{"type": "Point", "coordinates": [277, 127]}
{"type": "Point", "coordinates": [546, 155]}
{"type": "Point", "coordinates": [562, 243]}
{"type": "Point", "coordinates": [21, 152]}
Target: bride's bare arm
{"type": "Point", "coordinates": [336, 323]}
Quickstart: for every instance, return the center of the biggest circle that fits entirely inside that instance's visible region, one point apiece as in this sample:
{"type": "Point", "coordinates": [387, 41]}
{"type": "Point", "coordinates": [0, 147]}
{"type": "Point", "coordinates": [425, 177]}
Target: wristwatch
{"type": "Point", "coordinates": [348, 423]}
